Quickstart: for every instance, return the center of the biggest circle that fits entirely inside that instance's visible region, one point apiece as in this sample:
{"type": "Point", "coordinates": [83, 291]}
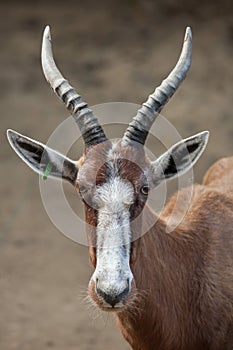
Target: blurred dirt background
{"type": "Point", "coordinates": [111, 51]}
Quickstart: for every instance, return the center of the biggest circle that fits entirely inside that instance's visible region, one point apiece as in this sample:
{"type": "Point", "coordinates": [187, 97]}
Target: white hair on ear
{"type": "Point", "coordinates": [179, 158]}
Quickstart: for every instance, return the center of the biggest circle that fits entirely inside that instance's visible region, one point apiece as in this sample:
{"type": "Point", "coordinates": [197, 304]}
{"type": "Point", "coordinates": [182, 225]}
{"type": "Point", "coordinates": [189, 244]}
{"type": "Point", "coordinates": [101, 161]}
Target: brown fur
{"type": "Point", "coordinates": [187, 275]}
{"type": "Point", "coordinates": [183, 293]}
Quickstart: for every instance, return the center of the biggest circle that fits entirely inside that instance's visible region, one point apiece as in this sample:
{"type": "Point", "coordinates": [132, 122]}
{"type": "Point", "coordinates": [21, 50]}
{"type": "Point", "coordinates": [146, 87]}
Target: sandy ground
{"type": "Point", "coordinates": [113, 51]}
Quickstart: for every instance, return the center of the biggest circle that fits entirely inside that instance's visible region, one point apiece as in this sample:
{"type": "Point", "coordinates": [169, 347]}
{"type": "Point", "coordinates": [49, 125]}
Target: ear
{"type": "Point", "coordinates": [179, 158]}
{"type": "Point", "coordinates": [41, 158]}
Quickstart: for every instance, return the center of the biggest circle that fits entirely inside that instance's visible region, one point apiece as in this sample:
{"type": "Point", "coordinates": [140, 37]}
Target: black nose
{"type": "Point", "coordinates": [114, 297]}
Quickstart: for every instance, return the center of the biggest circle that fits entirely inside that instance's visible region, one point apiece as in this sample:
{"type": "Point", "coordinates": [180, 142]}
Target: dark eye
{"type": "Point", "coordinates": [145, 190]}
{"type": "Point", "coordinates": [82, 190]}
{"type": "Point", "coordinates": [85, 195]}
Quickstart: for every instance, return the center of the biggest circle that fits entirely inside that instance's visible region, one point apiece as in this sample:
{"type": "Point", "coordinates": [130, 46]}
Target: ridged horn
{"type": "Point", "coordinates": [138, 129]}
{"type": "Point", "coordinates": [88, 124]}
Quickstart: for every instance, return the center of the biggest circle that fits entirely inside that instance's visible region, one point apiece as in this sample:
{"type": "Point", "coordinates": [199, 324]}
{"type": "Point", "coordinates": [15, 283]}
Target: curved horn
{"type": "Point", "coordinates": [88, 124]}
{"type": "Point", "coordinates": [139, 127]}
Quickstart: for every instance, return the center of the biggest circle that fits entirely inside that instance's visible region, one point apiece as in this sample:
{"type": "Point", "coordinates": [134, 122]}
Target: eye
{"type": "Point", "coordinates": [145, 190]}
{"type": "Point", "coordinates": [82, 189]}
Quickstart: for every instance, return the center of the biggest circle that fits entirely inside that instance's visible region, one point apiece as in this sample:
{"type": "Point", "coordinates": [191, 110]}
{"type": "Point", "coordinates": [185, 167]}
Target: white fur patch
{"type": "Point", "coordinates": [113, 235]}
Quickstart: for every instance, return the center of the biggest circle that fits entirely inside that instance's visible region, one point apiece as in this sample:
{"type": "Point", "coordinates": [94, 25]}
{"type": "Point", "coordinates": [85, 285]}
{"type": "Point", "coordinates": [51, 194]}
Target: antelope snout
{"type": "Point", "coordinates": [113, 295]}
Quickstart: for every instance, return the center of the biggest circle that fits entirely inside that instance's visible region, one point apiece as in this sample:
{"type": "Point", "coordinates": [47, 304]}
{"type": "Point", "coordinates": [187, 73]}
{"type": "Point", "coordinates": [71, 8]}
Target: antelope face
{"type": "Point", "coordinates": [113, 178]}
{"type": "Point", "coordinates": [113, 183]}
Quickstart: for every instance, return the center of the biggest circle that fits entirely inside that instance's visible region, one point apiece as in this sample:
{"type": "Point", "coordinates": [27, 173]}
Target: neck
{"type": "Point", "coordinates": [163, 284]}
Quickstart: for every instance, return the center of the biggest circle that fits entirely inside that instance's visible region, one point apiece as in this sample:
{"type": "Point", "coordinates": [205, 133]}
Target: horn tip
{"type": "Point", "coordinates": [188, 34]}
{"type": "Point", "coordinates": [47, 34]}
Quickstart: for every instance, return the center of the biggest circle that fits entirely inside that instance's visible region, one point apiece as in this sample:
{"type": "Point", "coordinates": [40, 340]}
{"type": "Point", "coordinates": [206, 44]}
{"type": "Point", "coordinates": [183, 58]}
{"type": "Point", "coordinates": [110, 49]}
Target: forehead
{"type": "Point", "coordinates": [109, 159]}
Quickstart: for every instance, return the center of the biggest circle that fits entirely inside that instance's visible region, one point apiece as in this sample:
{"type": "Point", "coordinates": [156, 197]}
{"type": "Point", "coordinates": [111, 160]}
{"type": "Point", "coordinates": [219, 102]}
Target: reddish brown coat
{"type": "Point", "coordinates": [183, 299]}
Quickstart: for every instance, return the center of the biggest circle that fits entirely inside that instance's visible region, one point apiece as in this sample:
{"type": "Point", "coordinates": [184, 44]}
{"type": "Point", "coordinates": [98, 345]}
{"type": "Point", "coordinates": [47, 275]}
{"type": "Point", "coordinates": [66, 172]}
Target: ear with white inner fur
{"type": "Point", "coordinates": [179, 158]}
{"type": "Point", "coordinates": [42, 159]}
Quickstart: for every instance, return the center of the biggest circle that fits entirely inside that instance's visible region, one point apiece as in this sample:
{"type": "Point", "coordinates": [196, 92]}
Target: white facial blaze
{"type": "Point", "coordinates": [113, 235]}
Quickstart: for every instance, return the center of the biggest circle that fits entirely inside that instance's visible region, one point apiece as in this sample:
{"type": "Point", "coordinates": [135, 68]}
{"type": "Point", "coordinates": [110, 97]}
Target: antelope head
{"type": "Point", "coordinates": [113, 178]}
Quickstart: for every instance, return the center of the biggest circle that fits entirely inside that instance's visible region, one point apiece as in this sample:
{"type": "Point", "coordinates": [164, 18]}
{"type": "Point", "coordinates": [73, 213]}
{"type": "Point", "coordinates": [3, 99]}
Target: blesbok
{"type": "Point", "coordinates": [169, 291]}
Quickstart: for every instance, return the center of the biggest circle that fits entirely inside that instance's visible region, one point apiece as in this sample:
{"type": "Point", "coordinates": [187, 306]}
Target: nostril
{"type": "Point", "coordinates": [112, 298]}
{"type": "Point", "coordinates": [125, 292]}
{"type": "Point", "coordinates": [96, 284]}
